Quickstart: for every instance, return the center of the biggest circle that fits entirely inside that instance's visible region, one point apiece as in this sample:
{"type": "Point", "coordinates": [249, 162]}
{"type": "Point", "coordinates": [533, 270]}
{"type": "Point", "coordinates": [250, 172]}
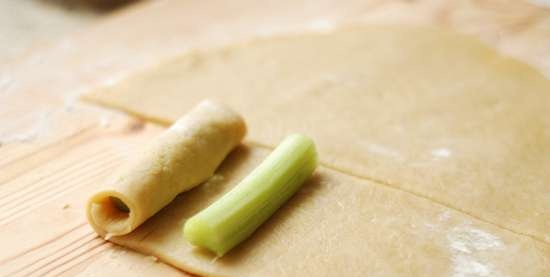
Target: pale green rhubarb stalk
{"type": "Point", "coordinates": [237, 214]}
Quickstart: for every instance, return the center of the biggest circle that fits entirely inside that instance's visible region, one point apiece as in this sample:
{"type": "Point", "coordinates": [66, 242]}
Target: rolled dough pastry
{"type": "Point", "coordinates": [424, 110]}
{"type": "Point", "coordinates": [184, 156]}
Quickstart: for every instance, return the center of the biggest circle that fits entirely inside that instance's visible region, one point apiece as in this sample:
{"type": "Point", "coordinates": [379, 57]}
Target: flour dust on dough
{"type": "Point", "coordinates": [338, 225]}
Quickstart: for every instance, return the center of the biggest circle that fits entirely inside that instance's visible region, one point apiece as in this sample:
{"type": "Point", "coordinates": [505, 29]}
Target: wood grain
{"type": "Point", "coordinates": [45, 176]}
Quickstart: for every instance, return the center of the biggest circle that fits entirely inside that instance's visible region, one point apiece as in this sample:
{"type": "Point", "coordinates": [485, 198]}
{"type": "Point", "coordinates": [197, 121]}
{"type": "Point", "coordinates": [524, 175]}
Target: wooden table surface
{"type": "Point", "coordinates": [55, 150]}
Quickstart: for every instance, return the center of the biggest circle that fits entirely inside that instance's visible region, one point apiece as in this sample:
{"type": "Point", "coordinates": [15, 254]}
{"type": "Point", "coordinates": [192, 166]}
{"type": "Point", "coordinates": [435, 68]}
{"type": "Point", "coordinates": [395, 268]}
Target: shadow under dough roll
{"type": "Point", "coordinates": [184, 156]}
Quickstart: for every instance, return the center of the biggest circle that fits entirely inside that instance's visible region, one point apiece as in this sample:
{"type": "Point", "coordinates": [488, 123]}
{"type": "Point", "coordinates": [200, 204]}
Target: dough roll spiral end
{"type": "Point", "coordinates": [181, 158]}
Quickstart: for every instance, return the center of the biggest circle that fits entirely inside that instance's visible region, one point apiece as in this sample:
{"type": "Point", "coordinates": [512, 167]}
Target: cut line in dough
{"type": "Point", "coordinates": [338, 225]}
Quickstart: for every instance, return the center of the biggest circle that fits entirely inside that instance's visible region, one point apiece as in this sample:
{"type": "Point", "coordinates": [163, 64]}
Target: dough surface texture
{"type": "Point", "coordinates": [338, 225]}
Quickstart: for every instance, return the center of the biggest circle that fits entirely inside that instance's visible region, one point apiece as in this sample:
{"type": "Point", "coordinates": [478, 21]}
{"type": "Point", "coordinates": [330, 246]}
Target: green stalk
{"type": "Point", "coordinates": [237, 214]}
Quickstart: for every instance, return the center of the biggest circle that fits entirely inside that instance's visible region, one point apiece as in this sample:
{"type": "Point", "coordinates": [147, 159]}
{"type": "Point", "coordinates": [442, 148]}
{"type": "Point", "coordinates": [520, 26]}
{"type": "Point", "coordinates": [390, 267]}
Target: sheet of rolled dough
{"type": "Point", "coordinates": [339, 225]}
{"type": "Point", "coordinates": [425, 110]}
